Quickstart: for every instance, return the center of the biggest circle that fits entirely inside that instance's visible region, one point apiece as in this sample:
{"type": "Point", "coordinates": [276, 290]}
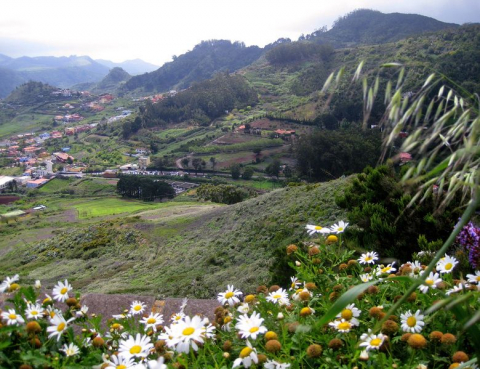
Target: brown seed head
{"type": "Point", "coordinates": [333, 296]}
{"type": "Point", "coordinates": [351, 263]}
{"type": "Point", "coordinates": [291, 249]}
{"type": "Point", "coordinates": [335, 344]}
{"type": "Point", "coordinates": [273, 346]}
{"type": "Point", "coordinates": [71, 301]}
{"type": "Point", "coordinates": [312, 251]}
{"type": "Point", "coordinates": [448, 339]}
{"type": "Point", "coordinates": [436, 336]}
{"type": "Point", "coordinates": [310, 286]}
{"type": "Point", "coordinates": [373, 290]}
{"type": "Point", "coordinates": [98, 342]}
{"type": "Point", "coordinates": [389, 327]}
{"type": "Point", "coordinates": [337, 287]}
{"type": "Point", "coordinates": [33, 327]}
{"type": "Point", "coordinates": [342, 267]}
{"type": "Point", "coordinates": [314, 351]}
{"type": "Point", "coordinates": [292, 327]}
{"type": "Point", "coordinates": [160, 345]}
{"type": "Point", "coordinates": [274, 288]}
{"type": "Point", "coordinates": [227, 345]}
{"type": "Point", "coordinates": [304, 296]}
{"type": "Point", "coordinates": [262, 358]}
{"type": "Point", "coordinates": [405, 337]}
{"type": "Point", "coordinates": [375, 311]}
{"type": "Point", "coordinates": [417, 341]}
{"type": "Point", "coordinates": [262, 289]}
{"type": "Point", "coordinates": [460, 357]}
{"type": "Point", "coordinates": [412, 297]}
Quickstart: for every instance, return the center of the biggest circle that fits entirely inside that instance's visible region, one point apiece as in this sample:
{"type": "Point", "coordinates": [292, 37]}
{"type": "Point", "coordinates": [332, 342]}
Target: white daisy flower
{"type": "Point", "coordinates": [279, 296]}
{"type": "Point", "coordinates": [119, 316]}
{"type": "Point", "coordinates": [82, 312]}
{"type": "Point", "coordinates": [343, 326]}
{"type": "Point", "coordinates": [350, 313]}
{"type": "Point", "coordinates": [137, 307]}
{"type": "Point", "coordinates": [474, 278]}
{"type": "Point", "coordinates": [120, 362]}
{"type": "Point", "coordinates": [157, 364]}
{"type": "Point", "coordinates": [446, 264]}
{"type": "Point", "coordinates": [416, 267]}
{"type": "Point", "coordinates": [296, 295]}
{"type": "Point", "coordinates": [381, 269]}
{"type": "Point", "coordinates": [58, 327]}
{"type": "Point", "coordinates": [371, 341]}
{"type": "Point", "coordinates": [272, 364]}
{"type": "Point", "coordinates": [178, 317]}
{"type": "Point", "coordinates": [12, 317]}
{"type": "Point", "coordinates": [366, 277]}
{"type": "Point", "coordinates": [339, 228]}
{"type": "Point", "coordinates": [368, 258]}
{"type": "Point", "coordinates": [52, 312]}
{"type": "Point", "coordinates": [230, 296]}
{"type": "Point", "coordinates": [70, 350]}
{"type": "Point", "coordinates": [250, 326]}
{"type": "Point", "coordinates": [459, 287]}
{"type": "Point", "coordinates": [38, 284]}
{"type": "Point", "coordinates": [430, 282]}
{"type": "Point", "coordinates": [185, 333]}
{"type": "Point", "coordinates": [312, 229]}
{"type": "Point", "coordinates": [6, 284]}
{"type": "Point", "coordinates": [412, 323]}
{"type": "Point", "coordinates": [60, 291]}
{"type": "Point", "coordinates": [247, 357]}
{"type": "Point", "coordinates": [34, 311]}
{"type": "Point", "coordinates": [295, 283]}
{"type": "Point", "coordinates": [138, 346]}
{"type": "Point", "coordinates": [152, 321]}
{"type": "Point", "coordinates": [244, 308]}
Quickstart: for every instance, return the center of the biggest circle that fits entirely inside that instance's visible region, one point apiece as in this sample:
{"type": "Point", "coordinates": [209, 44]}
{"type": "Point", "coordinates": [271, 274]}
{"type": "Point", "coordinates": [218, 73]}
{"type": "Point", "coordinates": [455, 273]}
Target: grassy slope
{"type": "Point", "coordinates": [184, 250]}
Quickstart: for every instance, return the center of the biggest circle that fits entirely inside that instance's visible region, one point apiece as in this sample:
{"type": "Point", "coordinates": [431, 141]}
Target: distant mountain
{"type": "Point", "coordinates": [133, 67]}
{"type": "Point", "coordinates": [30, 93]}
{"type": "Point", "coordinates": [206, 59]}
{"type": "Point", "coordinates": [57, 71]}
{"type": "Point", "coordinates": [364, 26]}
{"type": "Point", "coordinates": [111, 83]}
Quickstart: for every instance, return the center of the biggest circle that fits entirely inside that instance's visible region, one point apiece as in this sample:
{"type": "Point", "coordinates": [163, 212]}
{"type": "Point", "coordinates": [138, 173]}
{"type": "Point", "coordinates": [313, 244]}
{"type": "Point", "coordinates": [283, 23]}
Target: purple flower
{"type": "Point", "coordinates": [469, 238]}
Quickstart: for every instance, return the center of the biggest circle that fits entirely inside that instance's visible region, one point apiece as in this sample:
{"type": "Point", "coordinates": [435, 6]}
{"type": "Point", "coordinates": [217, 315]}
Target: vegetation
{"type": "Point", "coordinates": [223, 194]}
{"type": "Point", "coordinates": [144, 188]}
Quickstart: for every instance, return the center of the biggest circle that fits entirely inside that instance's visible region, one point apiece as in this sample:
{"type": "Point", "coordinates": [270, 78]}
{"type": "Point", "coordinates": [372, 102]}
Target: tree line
{"type": "Point", "coordinates": [144, 188]}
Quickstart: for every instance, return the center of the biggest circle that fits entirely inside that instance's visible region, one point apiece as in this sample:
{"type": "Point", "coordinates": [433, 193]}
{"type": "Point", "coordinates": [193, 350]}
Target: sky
{"type": "Point", "coordinates": [155, 30]}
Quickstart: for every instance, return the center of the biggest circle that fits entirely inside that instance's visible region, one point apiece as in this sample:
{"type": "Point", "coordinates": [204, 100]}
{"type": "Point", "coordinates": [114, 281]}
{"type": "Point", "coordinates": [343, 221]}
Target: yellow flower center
{"type": "Point", "coordinates": [344, 326]}
{"type": "Point", "coordinates": [277, 296]}
{"type": "Point", "coordinates": [229, 294]}
{"type": "Point", "coordinates": [478, 278]}
{"type": "Point", "coordinates": [137, 307]}
{"type": "Point", "coordinates": [411, 321]}
{"type": "Point", "coordinates": [136, 349]}
{"type": "Point", "coordinates": [121, 366]}
{"type": "Point", "coordinates": [115, 326]}
{"type": "Point", "coordinates": [448, 266]}
{"type": "Point", "coordinates": [52, 314]}
{"type": "Point", "coordinates": [375, 342]}
{"type": "Point", "coordinates": [347, 314]}
{"type": "Point", "coordinates": [253, 329]}
{"type": "Point", "coordinates": [429, 282]}
{"type": "Point", "coordinates": [318, 228]}
{"type": "Point", "coordinates": [340, 229]}
{"type": "Point", "coordinates": [151, 321]}
{"type": "Point", "coordinates": [34, 312]}
{"type": "Point", "coordinates": [14, 287]}
{"type": "Point", "coordinates": [227, 319]}
{"type": "Point", "coordinates": [48, 299]}
{"type": "Point", "coordinates": [245, 352]}
{"type": "Point", "coordinates": [61, 327]}
{"type": "Point", "coordinates": [64, 290]}
{"type": "Point", "coordinates": [12, 316]}
{"type": "Point", "coordinates": [368, 258]}
{"type": "Point", "coordinates": [178, 317]}
{"type": "Point", "coordinates": [188, 331]}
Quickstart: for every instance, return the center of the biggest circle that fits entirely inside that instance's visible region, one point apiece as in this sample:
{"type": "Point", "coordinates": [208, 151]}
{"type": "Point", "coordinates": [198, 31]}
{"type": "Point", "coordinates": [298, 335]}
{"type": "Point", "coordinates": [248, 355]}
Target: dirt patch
{"type": "Point", "coordinates": [5, 200]}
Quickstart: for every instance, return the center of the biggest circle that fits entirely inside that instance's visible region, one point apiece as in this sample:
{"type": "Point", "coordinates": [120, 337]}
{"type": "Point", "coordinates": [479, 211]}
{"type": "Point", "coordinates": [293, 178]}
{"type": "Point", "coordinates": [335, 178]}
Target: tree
{"type": "Point", "coordinates": [213, 161]}
{"type": "Point", "coordinates": [288, 172]}
{"type": "Point", "coordinates": [273, 169]}
{"type": "Point", "coordinates": [197, 164]}
{"type": "Point", "coordinates": [247, 173]}
{"type": "Point", "coordinates": [235, 170]}
{"type": "Point", "coordinates": [185, 162]}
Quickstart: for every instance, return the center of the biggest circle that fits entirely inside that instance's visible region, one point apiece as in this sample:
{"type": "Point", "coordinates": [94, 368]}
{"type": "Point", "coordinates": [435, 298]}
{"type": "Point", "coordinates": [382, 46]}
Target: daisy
{"type": "Point", "coordinates": [34, 311]}
{"type": "Point", "coordinates": [6, 284]}
{"type": "Point", "coordinates": [152, 321]}
{"type": "Point", "coordinates": [312, 229]}
{"type": "Point", "coordinates": [137, 307]}
{"type": "Point", "coordinates": [296, 295]}
{"type": "Point", "coordinates": [279, 296]}
{"type": "Point", "coordinates": [459, 287]}
{"type": "Point", "coordinates": [138, 346]}
{"type": "Point", "coordinates": [38, 284]}
{"type": "Point", "coordinates": [371, 341]}
{"type": "Point", "coordinates": [343, 325]}
{"type": "Point", "coordinates": [295, 283]}
{"type": "Point", "coordinates": [366, 277]}
{"type": "Point", "coordinates": [70, 350]}
{"type": "Point", "coordinates": [60, 291]}
{"type": "Point", "coordinates": [368, 258]}
{"type": "Point", "coordinates": [82, 312]}
{"type": "Point", "coordinates": [230, 296]}
{"type": "Point", "coordinates": [446, 264]}
{"type": "Point", "coordinates": [185, 333]}
{"type": "Point", "coordinates": [350, 313]}
{"type": "Point", "coordinates": [416, 267]}
{"type": "Point", "coordinates": [178, 317]}
{"type": "Point", "coordinates": [243, 308]}
{"type": "Point", "coordinates": [250, 327]}
{"type": "Point", "coordinates": [271, 364]}
{"type": "Point", "coordinates": [385, 269]}
{"type": "Point", "coordinates": [430, 282]}
{"type": "Point", "coordinates": [59, 325]}
{"type": "Point", "coordinates": [248, 355]}
{"type": "Point", "coordinates": [412, 323]}
{"type": "Point", "coordinates": [157, 364]}
{"type": "Point", "coordinates": [120, 362]}
{"type": "Point", "coordinates": [12, 317]}
{"type": "Point", "coordinates": [339, 228]}
{"type": "Point", "coordinates": [474, 278]}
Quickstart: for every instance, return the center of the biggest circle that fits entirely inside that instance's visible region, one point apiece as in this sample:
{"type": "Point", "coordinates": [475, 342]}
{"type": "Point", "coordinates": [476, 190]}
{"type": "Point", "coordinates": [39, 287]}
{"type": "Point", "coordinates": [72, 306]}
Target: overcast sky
{"type": "Point", "coordinates": [155, 30]}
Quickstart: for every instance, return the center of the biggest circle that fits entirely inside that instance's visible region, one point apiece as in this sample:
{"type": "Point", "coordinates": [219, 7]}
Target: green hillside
{"type": "Point", "coordinates": [183, 249]}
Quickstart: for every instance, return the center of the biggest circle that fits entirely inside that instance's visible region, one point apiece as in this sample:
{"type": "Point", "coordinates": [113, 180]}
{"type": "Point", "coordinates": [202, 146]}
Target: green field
{"type": "Point", "coordinates": [111, 206]}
